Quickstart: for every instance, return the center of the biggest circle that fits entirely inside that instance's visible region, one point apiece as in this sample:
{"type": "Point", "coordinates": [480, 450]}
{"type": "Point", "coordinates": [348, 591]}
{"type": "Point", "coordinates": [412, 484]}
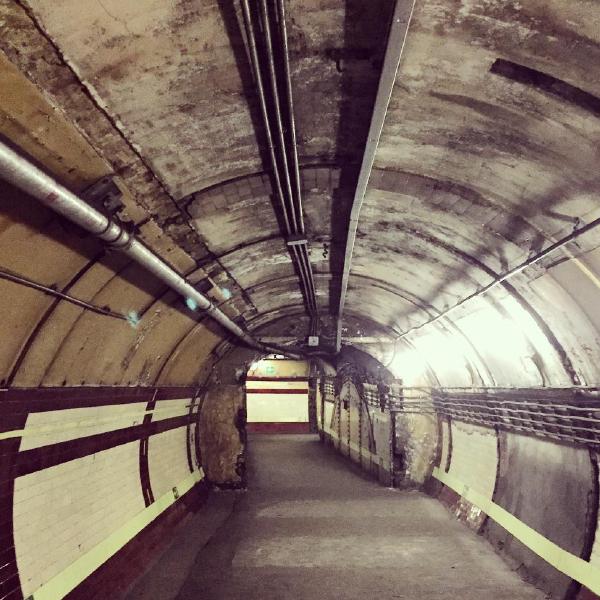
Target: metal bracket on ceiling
{"type": "Point", "coordinates": [105, 195]}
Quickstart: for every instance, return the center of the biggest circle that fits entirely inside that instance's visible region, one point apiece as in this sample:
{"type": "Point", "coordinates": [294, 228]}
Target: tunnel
{"type": "Point", "coordinates": [299, 299]}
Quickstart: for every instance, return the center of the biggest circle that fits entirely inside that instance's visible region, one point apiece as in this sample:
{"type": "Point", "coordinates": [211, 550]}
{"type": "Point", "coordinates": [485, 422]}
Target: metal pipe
{"type": "Point", "coordinates": [310, 290]}
{"type": "Point", "coordinates": [263, 107]}
{"type": "Point", "coordinates": [266, 22]}
{"type": "Point", "coordinates": [293, 218]}
{"type": "Point", "coordinates": [101, 310]}
{"type": "Point", "coordinates": [296, 258]}
{"type": "Point", "coordinates": [250, 35]}
{"type": "Point", "coordinates": [293, 140]}
{"type": "Point", "coordinates": [350, 340]}
{"type": "Point", "coordinates": [290, 108]}
{"type": "Point", "coordinates": [313, 290]}
{"type": "Point", "coordinates": [22, 174]}
{"type": "Point", "coordinates": [304, 264]}
{"type": "Point", "coordinates": [395, 46]}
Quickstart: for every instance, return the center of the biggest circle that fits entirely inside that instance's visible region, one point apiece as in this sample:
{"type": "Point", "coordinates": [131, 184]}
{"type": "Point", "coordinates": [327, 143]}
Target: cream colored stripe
{"type": "Point", "coordinates": [276, 385]}
{"type": "Point", "coordinates": [567, 563]}
{"type": "Point", "coordinates": [162, 412]}
{"type": "Point", "coordinates": [60, 585]}
{"type": "Point", "coordinates": [270, 397]}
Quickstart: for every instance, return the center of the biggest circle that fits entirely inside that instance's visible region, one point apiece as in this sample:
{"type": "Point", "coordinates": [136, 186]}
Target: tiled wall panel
{"type": "Point", "coordinates": [166, 409]}
{"type": "Point", "coordinates": [63, 512]}
{"type": "Point", "coordinates": [168, 460]}
{"type": "Point", "coordinates": [72, 472]}
{"type": "Point", "coordinates": [44, 428]}
{"type": "Point", "coordinates": [445, 444]}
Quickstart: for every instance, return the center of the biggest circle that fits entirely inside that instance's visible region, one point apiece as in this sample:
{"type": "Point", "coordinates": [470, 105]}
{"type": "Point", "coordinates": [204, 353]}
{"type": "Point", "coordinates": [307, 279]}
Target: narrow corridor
{"type": "Point", "coordinates": [374, 219]}
{"type": "Point", "coordinates": [310, 526]}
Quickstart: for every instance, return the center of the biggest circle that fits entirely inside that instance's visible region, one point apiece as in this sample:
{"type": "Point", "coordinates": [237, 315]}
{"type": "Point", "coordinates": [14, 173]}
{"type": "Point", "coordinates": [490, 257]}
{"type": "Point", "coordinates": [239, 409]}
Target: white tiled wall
{"type": "Point", "coordinates": [44, 428]}
{"type": "Point", "coordinates": [595, 558]}
{"type": "Point", "coordinates": [327, 416]}
{"type": "Point", "coordinates": [445, 444]}
{"type": "Point", "coordinates": [167, 460]}
{"type": "Point", "coordinates": [277, 408]}
{"type": "Point", "coordinates": [62, 512]}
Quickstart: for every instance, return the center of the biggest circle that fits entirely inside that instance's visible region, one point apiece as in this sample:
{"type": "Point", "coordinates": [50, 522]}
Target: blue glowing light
{"type": "Point", "coordinates": [133, 318]}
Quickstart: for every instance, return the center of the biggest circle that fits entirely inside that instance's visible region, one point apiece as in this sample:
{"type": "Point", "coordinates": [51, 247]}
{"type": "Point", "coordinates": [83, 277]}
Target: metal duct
{"type": "Point", "coordinates": [269, 56]}
{"type": "Point", "coordinates": [395, 46]}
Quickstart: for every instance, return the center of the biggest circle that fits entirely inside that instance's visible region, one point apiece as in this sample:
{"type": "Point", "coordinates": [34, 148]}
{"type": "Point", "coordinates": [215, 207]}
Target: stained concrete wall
{"type": "Point", "coordinates": [553, 489]}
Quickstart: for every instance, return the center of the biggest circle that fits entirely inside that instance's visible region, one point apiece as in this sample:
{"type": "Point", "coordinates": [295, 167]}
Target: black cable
{"type": "Point", "coordinates": [101, 310]}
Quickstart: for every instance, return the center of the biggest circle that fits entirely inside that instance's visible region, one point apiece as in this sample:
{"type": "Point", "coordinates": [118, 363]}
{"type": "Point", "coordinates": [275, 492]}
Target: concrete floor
{"type": "Point", "coordinates": [311, 526]}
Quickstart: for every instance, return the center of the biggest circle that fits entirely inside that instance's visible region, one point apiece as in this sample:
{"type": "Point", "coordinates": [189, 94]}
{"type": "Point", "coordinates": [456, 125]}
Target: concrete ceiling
{"type": "Point", "coordinates": [475, 170]}
{"type": "Point", "coordinates": [174, 80]}
{"type": "Point", "coordinates": [488, 153]}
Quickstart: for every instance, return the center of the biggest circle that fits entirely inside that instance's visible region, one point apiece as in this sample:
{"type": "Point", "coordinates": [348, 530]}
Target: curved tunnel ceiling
{"type": "Point", "coordinates": [488, 154]}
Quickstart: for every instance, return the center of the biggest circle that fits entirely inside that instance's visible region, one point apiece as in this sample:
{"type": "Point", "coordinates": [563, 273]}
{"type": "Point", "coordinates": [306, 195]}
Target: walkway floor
{"type": "Point", "coordinates": [311, 527]}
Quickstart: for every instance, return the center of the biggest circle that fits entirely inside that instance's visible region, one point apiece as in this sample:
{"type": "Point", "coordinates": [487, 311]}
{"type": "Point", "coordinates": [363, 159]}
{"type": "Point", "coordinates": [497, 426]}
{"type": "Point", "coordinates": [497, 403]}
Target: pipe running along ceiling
{"type": "Point", "coordinates": [466, 135]}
